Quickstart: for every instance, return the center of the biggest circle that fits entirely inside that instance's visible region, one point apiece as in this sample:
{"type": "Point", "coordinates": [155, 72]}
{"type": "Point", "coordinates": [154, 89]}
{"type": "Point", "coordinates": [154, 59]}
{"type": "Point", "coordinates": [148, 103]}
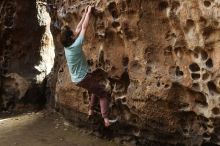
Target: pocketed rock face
{"type": "Point", "coordinates": [26, 46]}
{"type": "Point", "coordinates": [162, 59]}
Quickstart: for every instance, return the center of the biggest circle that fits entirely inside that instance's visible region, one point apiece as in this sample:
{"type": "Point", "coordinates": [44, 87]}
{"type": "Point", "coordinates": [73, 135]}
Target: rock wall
{"type": "Point", "coordinates": [27, 51]}
{"type": "Point", "coordinates": [161, 58]}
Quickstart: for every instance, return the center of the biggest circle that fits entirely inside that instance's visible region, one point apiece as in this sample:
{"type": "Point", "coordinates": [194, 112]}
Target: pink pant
{"type": "Point", "coordinates": [92, 84]}
{"type": "Point", "coordinates": [104, 103]}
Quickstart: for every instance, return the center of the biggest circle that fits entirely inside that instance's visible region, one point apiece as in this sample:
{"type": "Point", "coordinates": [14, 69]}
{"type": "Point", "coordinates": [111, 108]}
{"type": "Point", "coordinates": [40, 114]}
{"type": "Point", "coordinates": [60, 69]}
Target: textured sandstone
{"type": "Point", "coordinates": [162, 60]}
{"type": "Point", "coordinates": [26, 49]}
{"type": "Point", "coordinates": [15, 87]}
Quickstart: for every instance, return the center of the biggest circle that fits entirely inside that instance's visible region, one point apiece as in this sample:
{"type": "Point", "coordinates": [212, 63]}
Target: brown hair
{"type": "Point", "coordinates": [66, 36]}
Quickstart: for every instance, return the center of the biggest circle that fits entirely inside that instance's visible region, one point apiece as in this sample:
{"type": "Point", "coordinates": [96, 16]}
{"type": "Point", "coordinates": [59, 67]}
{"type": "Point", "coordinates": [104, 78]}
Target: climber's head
{"type": "Point", "coordinates": [67, 36]}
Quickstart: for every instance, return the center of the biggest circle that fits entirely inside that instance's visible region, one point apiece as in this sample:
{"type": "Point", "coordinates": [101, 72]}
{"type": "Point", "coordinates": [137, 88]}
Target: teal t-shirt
{"type": "Point", "coordinates": [76, 60]}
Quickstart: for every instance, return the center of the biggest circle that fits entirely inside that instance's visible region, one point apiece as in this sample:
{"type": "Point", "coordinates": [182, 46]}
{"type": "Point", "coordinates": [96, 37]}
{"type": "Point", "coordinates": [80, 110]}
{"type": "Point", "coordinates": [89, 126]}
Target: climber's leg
{"type": "Point", "coordinates": [94, 86]}
{"type": "Point", "coordinates": [92, 102]}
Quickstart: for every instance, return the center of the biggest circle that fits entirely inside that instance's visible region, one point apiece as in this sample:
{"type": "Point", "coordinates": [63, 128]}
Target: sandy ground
{"type": "Point", "coordinates": [45, 129]}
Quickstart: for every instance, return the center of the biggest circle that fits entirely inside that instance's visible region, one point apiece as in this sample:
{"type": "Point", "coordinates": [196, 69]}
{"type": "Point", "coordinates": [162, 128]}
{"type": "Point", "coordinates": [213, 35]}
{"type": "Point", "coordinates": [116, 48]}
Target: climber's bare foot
{"type": "Point", "coordinates": [91, 112]}
{"type": "Point", "coordinates": [109, 122]}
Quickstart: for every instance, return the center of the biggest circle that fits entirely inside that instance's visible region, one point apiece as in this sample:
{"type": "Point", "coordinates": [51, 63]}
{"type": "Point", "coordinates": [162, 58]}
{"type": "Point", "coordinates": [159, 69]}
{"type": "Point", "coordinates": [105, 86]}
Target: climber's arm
{"type": "Point", "coordinates": [79, 26]}
{"type": "Point", "coordinates": [86, 21]}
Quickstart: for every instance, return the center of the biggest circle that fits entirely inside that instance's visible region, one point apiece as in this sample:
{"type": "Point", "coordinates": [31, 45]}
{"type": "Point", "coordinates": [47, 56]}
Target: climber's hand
{"type": "Point", "coordinates": [90, 9]}
{"type": "Point", "coordinates": [86, 9]}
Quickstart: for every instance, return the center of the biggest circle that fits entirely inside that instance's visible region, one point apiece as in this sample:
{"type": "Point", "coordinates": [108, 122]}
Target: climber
{"type": "Point", "coordinates": [79, 69]}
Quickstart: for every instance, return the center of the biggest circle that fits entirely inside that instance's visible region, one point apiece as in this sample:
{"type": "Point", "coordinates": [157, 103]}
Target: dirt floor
{"type": "Point", "coordinates": [45, 129]}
